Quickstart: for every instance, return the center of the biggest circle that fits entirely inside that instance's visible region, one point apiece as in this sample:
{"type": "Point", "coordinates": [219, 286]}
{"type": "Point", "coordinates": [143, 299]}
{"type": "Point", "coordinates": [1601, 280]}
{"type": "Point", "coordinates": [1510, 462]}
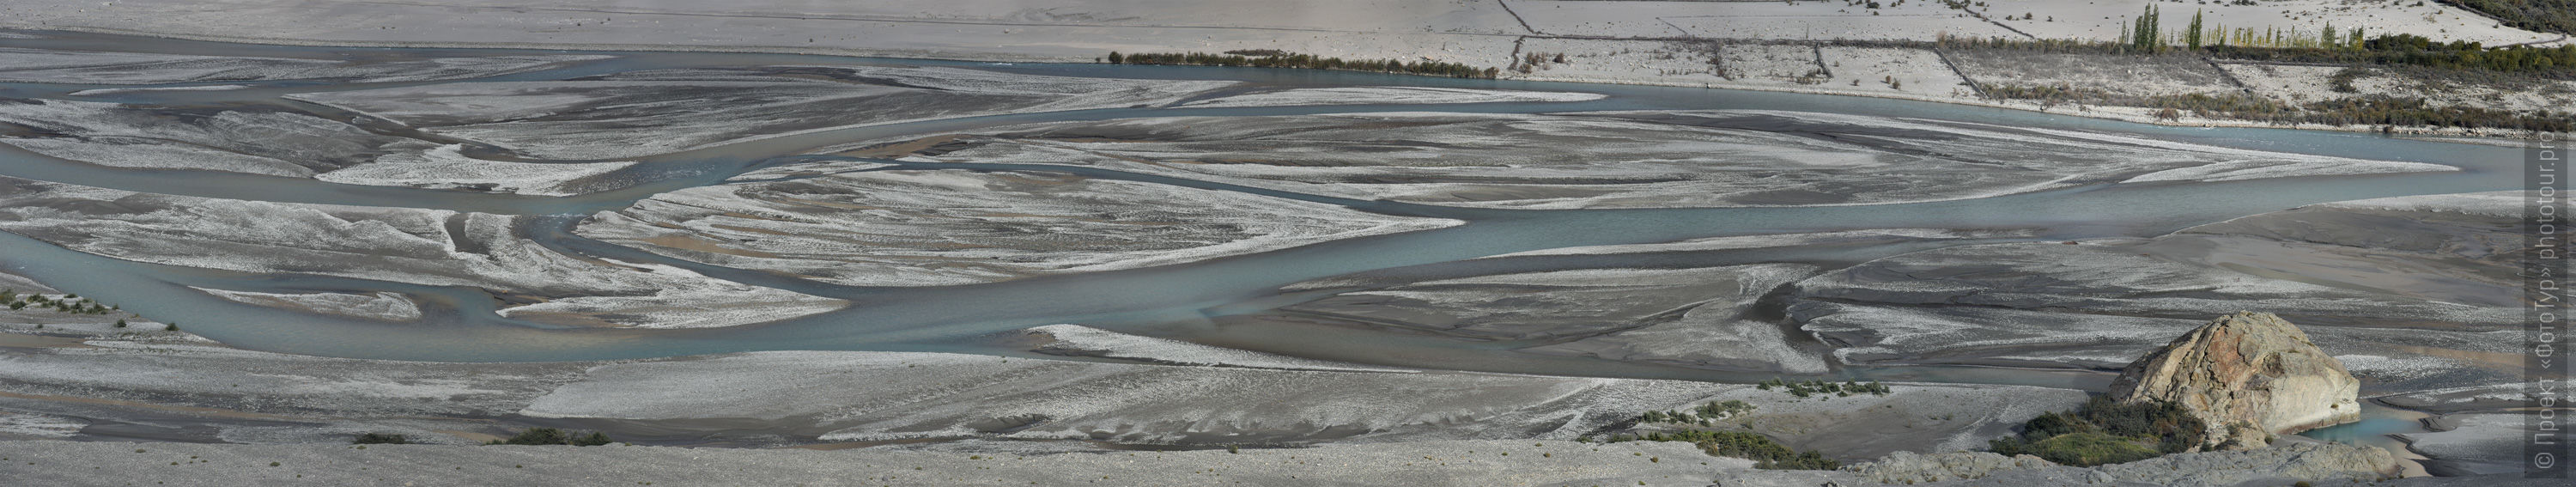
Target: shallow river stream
{"type": "Point", "coordinates": [1171, 301]}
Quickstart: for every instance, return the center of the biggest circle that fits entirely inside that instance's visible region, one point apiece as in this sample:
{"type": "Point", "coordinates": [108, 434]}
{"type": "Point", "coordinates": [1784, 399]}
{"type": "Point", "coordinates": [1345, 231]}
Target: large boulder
{"type": "Point", "coordinates": [2248, 375]}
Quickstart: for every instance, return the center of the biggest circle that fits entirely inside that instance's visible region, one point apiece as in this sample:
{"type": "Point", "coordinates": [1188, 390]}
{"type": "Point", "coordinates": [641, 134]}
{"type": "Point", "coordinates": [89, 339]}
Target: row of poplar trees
{"type": "Point", "coordinates": [2146, 35]}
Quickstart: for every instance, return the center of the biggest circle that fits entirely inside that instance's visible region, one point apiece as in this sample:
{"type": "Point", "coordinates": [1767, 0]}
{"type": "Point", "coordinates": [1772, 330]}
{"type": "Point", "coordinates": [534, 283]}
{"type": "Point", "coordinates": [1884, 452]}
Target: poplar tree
{"type": "Point", "coordinates": [2135, 28]}
{"type": "Point", "coordinates": [2155, 29]}
{"type": "Point", "coordinates": [2193, 38]}
{"type": "Point", "coordinates": [2147, 35]}
{"type": "Point", "coordinates": [2138, 33]}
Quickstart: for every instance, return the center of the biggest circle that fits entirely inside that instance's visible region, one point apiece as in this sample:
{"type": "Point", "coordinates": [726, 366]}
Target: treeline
{"type": "Point", "coordinates": [2541, 15]}
{"type": "Point", "coordinates": [2414, 50]}
{"type": "Point", "coordinates": [2146, 35]}
{"type": "Point", "coordinates": [2326, 46]}
{"type": "Point", "coordinates": [2400, 49]}
{"type": "Point", "coordinates": [2215, 40]}
{"type": "Point", "coordinates": [1280, 59]}
{"type": "Point", "coordinates": [2372, 110]}
{"type": "Point", "coordinates": [2415, 111]}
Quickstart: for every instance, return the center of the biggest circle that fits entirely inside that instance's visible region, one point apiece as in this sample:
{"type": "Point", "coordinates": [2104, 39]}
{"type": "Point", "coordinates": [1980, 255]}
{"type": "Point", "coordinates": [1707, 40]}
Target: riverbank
{"type": "Point", "coordinates": [1811, 47]}
{"type": "Point", "coordinates": [1439, 463]}
{"type": "Point", "coordinates": [1634, 266]}
{"type": "Point", "coordinates": [93, 383]}
{"type": "Point", "coordinates": [1621, 62]}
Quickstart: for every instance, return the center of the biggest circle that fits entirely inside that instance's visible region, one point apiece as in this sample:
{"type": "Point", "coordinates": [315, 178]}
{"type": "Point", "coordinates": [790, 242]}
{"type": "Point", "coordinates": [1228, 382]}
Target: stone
{"type": "Point", "coordinates": [2242, 435]}
{"type": "Point", "coordinates": [2279, 465]}
{"type": "Point", "coordinates": [2100, 477]}
{"type": "Point", "coordinates": [2244, 374]}
{"type": "Point", "coordinates": [1905, 467]}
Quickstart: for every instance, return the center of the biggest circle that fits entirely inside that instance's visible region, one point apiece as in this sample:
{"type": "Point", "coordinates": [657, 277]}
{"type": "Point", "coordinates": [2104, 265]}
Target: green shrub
{"type": "Point", "coordinates": [2414, 50]}
{"type": "Point", "coordinates": [1703, 415]}
{"type": "Point", "coordinates": [1765, 452]}
{"type": "Point", "coordinates": [551, 436]}
{"type": "Point", "coordinates": [2173, 427]}
{"type": "Point", "coordinates": [1267, 58]}
{"type": "Point", "coordinates": [2089, 449]}
{"type": "Point", "coordinates": [2541, 15]}
{"type": "Point", "coordinates": [2106, 431]}
{"type": "Point", "coordinates": [536, 436]}
{"type": "Point", "coordinates": [380, 439]}
{"type": "Point", "coordinates": [1814, 387]}
{"type": "Point", "coordinates": [2363, 110]}
{"type": "Point", "coordinates": [2049, 425]}
{"type": "Point", "coordinates": [1724, 409]}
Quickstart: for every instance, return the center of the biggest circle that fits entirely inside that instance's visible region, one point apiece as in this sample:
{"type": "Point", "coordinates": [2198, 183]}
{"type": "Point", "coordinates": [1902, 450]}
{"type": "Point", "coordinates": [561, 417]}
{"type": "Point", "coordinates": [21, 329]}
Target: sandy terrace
{"type": "Point", "coordinates": [2136, 76]}
{"type": "Point", "coordinates": [1920, 19]}
{"type": "Point", "coordinates": [1929, 19]}
{"type": "Point", "coordinates": [1471, 32]}
{"type": "Point", "coordinates": [1869, 71]}
{"type": "Point", "coordinates": [2302, 84]}
{"type": "Point", "coordinates": [1475, 32]}
{"type": "Point", "coordinates": [2107, 20]}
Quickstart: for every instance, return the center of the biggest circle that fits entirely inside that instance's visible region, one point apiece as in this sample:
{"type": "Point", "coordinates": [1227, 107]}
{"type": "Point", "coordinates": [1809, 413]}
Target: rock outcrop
{"type": "Point", "coordinates": [1906, 467]}
{"type": "Point", "coordinates": [2248, 375]}
{"type": "Point", "coordinates": [2312, 462]}
{"type": "Point", "coordinates": [2278, 465]}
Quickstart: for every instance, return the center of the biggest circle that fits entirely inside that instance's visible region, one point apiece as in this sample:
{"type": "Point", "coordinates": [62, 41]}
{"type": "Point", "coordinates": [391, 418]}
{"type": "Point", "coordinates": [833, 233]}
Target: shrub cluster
{"type": "Point", "coordinates": [2415, 111]}
{"type": "Point", "coordinates": [2368, 110]}
{"type": "Point", "coordinates": [1814, 387]}
{"type": "Point", "coordinates": [2400, 49]}
{"type": "Point", "coordinates": [2541, 15]}
{"type": "Point", "coordinates": [1945, 40]}
{"type": "Point", "coordinates": [1704, 415]}
{"type": "Point", "coordinates": [1765, 452]}
{"type": "Point", "coordinates": [69, 303]}
{"type": "Point", "coordinates": [1539, 60]}
{"type": "Point", "coordinates": [2084, 449]}
{"type": "Point", "coordinates": [380, 439]}
{"type": "Point", "coordinates": [1268, 58]}
{"type": "Point", "coordinates": [551, 436]}
{"type": "Point", "coordinates": [2106, 432]}
{"type": "Point", "coordinates": [2413, 50]}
